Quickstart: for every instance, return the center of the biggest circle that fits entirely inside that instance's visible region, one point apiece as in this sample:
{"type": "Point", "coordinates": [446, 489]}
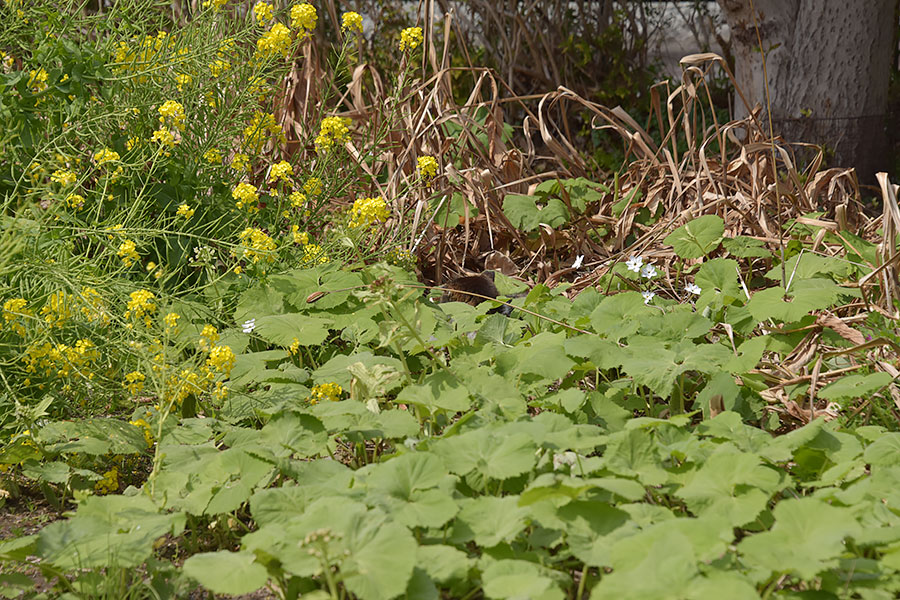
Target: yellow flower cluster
{"type": "Point", "coordinates": [247, 196]}
{"type": "Point", "coordinates": [367, 211]}
{"type": "Point", "coordinates": [92, 306]}
{"type": "Point", "coordinates": [221, 359]}
{"type": "Point", "coordinates": [213, 156]}
{"type": "Point", "coordinates": [109, 483]}
{"type": "Point", "coordinates": [410, 38]}
{"type": "Point", "coordinates": [75, 201]}
{"type": "Point", "coordinates": [61, 360]}
{"type": "Point", "coordinates": [263, 13]}
{"type": "Point", "coordinates": [15, 314]}
{"type": "Point", "coordinates": [58, 309]}
{"type": "Point", "coordinates": [219, 66]}
{"type": "Point", "coordinates": [334, 131]}
{"type": "Point", "coordinates": [184, 211]}
{"type": "Point", "coordinates": [209, 335]}
{"type": "Point", "coordinates": [105, 155]}
{"type": "Point", "coordinates": [428, 167]}
{"type": "Point", "coordinates": [325, 391]}
{"type": "Point", "coordinates": [171, 320]}
{"type": "Point", "coordinates": [297, 199]}
{"type": "Point", "coordinates": [313, 254]}
{"type": "Point", "coordinates": [63, 177]}
{"type": "Point", "coordinates": [145, 427]}
{"type": "Point", "coordinates": [141, 305]}
{"type": "Point", "coordinates": [172, 113]}
{"type": "Point", "coordinates": [256, 245]}
{"type": "Point", "coordinates": [37, 80]}
{"type": "Point", "coordinates": [240, 162]}
{"type": "Point", "coordinates": [282, 171]}
{"type": "Point", "coordinates": [134, 382]}
{"type": "Point", "coordinates": [351, 21]}
{"type": "Point", "coordinates": [275, 41]}
{"type": "Point", "coordinates": [128, 253]}
{"type": "Point", "coordinates": [304, 17]}
{"type": "Point", "coordinates": [313, 186]}
{"type": "Point", "coordinates": [300, 237]}
{"type": "Point", "coordinates": [260, 127]}
{"type": "Point", "coordinates": [215, 4]}
{"type": "Point", "coordinates": [164, 137]}
{"type": "Point", "coordinates": [182, 80]}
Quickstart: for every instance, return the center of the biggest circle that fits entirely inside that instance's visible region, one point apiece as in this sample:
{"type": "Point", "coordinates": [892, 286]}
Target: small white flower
{"type": "Point", "coordinates": [248, 326]}
{"type": "Point", "coordinates": [578, 260]}
{"type": "Point", "coordinates": [648, 271]}
{"type": "Point", "coordinates": [693, 289]}
{"type": "Point", "coordinates": [648, 296]}
{"type": "Point", "coordinates": [634, 263]}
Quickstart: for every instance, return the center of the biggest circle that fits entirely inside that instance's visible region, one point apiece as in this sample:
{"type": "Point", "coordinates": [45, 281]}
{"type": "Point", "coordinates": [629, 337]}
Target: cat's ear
{"type": "Point", "coordinates": [488, 275]}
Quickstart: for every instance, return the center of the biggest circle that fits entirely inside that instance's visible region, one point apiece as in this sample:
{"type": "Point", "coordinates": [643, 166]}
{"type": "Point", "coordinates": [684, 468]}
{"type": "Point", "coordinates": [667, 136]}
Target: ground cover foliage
{"type": "Point", "coordinates": [222, 372]}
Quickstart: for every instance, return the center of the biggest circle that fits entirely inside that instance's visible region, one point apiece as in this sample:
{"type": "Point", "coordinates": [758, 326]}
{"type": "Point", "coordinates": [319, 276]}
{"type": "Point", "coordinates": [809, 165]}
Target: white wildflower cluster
{"type": "Point", "coordinates": [647, 271]}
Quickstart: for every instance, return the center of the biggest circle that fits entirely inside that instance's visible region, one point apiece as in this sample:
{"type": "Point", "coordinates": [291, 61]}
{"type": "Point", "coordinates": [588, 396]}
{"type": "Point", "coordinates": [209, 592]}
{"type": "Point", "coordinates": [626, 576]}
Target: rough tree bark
{"type": "Point", "coordinates": [828, 64]}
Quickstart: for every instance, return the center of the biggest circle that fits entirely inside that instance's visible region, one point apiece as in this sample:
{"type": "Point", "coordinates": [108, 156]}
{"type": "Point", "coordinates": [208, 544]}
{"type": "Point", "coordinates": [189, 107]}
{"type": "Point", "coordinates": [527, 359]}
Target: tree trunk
{"type": "Point", "coordinates": [828, 64]}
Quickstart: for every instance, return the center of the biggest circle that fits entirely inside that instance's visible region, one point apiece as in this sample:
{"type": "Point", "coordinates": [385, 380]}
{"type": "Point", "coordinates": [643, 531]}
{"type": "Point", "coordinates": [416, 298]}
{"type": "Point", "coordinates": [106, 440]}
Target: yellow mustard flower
{"type": "Point", "coordinates": [105, 155]}
{"type": "Point", "coordinates": [300, 237]}
{"type": "Point", "coordinates": [313, 254]}
{"type": "Point", "coordinates": [240, 162]}
{"type": "Point", "coordinates": [209, 335]}
{"type": "Point", "coordinates": [255, 244]}
{"type": "Point", "coordinates": [246, 195]}
{"type": "Point", "coordinates": [410, 38]}
{"type": "Point", "coordinates": [221, 359]}
{"type": "Point", "coordinates": [128, 253]}
{"type": "Point", "coordinates": [134, 382]}
{"type": "Point", "coordinates": [141, 304]}
{"type": "Point", "coordinates": [333, 131]}
{"type": "Point", "coordinates": [325, 391]}
{"type": "Point", "coordinates": [172, 112]}
{"type": "Point", "coordinates": [367, 211]}
{"type": "Point", "coordinates": [263, 13]}
{"type": "Point", "coordinates": [282, 170]}
{"type": "Point", "coordinates": [304, 17]}
{"type": "Point", "coordinates": [183, 80]}
{"type": "Point", "coordinates": [428, 167]}
{"type": "Point", "coordinates": [351, 21]}
{"type": "Point", "coordinates": [213, 156]}
{"type": "Point", "coordinates": [313, 186]}
{"type": "Point", "coordinates": [75, 201]}
{"type": "Point", "coordinates": [276, 40]}
{"type": "Point", "coordinates": [15, 314]}
{"type": "Point", "coordinates": [64, 177]}
{"type": "Point", "coordinates": [184, 211]}
{"type": "Point", "coordinates": [297, 199]}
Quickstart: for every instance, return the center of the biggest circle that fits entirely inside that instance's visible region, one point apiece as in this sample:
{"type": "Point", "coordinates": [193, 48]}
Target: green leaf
{"type": "Point", "coordinates": [516, 579]}
{"type": "Point", "coordinates": [407, 487]}
{"type": "Point", "coordinates": [443, 563]}
{"type": "Point", "coordinates": [107, 531]}
{"type": "Point", "coordinates": [775, 303]}
{"type": "Point", "coordinates": [730, 484]}
{"type": "Point", "coordinates": [439, 391]}
{"type": "Point", "coordinates": [284, 329]}
{"type": "Point", "coordinates": [746, 247]}
{"type": "Point", "coordinates": [492, 455]}
{"type": "Point", "coordinates": [490, 520]}
{"type": "Point", "coordinates": [718, 282]}
{"type": "Point", "coordinates": [381, 561]}
{"type": "Point", "coordinates": [527, 212]}
{"type": "Point", "coordinates": [226, 572]}
{"type": "Point", "coordinates": [855, 386]}
{"type": "Point", "coordinates": [698, 237]}
{"type": "Point", "coordinates": [620, 315]}
{"type": "Point", "coordinates": [807, 538]}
